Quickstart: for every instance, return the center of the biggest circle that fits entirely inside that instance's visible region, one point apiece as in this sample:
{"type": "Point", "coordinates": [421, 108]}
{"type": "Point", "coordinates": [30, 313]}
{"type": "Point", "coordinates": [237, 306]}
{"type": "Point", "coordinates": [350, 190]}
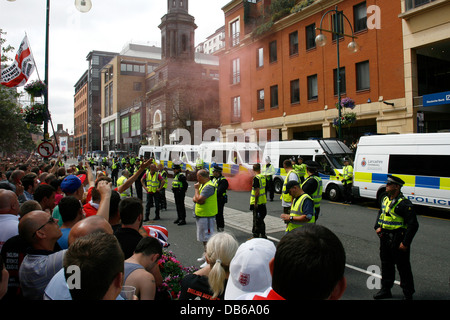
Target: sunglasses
{"type": "Point", "coordinates": [51, 220]}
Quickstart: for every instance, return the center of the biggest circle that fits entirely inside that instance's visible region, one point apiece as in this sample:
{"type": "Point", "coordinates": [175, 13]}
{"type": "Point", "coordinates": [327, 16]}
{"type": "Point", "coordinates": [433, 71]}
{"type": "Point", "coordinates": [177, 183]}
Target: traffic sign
{"type": "Point", "coordinates": [46, 149]}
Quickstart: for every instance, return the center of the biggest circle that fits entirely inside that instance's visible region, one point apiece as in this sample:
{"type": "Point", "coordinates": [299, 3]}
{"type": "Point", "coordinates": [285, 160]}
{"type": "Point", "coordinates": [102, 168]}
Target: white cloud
{"type": "Point", "coordinates": [107, 27]}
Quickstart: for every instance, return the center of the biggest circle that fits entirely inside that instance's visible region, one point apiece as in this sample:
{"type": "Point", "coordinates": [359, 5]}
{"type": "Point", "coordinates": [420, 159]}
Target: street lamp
{"type": "Point", "coordinates": [321, 40]}
{"type": "Point", "coordinates": [82, 6]}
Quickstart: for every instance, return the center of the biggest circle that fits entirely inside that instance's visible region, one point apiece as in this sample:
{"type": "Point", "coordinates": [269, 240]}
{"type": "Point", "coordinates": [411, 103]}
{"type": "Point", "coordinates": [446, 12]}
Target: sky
{"type": "Point", "coordinates": [108, 26]}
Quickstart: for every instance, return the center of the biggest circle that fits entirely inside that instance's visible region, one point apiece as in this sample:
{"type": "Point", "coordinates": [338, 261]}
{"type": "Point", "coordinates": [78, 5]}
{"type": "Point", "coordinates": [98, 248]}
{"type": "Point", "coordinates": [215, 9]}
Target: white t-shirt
{"type": "Point", "coordinates": [9, 227]}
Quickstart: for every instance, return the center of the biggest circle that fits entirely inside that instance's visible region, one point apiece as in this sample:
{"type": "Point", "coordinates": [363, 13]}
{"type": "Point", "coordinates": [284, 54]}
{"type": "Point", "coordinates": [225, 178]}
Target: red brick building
{"type": "Point", "coordinates": [274, 76]}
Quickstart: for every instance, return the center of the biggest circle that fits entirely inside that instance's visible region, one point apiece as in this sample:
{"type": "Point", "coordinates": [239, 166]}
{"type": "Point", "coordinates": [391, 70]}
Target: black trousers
{"type": "Point", "coordinates": [270, 188]}
{"type": "Point", "coordinates": [259, 226]}
{"type": "Point", "coordinates": [348, 192]}
{"type": "Point", "coordinates": [220, 221]}
{"type": "Point", "coordinates": [392, 256]}
{"type": "Point", "coordinates": [179, 202]}
{"type": "Point", "coordinates": [153, 200]}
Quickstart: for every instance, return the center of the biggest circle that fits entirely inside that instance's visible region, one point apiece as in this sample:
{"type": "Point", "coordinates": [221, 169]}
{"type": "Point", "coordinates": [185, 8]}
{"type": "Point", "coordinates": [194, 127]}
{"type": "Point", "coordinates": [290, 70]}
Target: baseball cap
{"type": "Point", "coordinates": [70, 184]}
{"type": "Point", "coordinates": [249, 269]}
{"type": "Point", "coordinates": [291, 184]}
{"type": "Point", "coordinates": [82, 177]}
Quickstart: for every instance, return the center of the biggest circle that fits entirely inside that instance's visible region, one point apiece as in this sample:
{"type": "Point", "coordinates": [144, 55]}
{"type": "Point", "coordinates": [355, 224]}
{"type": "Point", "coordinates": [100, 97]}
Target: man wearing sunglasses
{"type": "Point", "coordinates": [42, 232]}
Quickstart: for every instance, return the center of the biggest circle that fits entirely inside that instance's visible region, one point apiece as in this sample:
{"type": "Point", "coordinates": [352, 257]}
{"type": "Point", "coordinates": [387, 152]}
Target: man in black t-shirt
{"type": "Point", "coordinates": [131, 214]}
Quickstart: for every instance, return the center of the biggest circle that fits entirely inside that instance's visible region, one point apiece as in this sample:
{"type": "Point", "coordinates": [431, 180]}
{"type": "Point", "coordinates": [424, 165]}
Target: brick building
{"type": "Point", "coordinates": [274, 76]}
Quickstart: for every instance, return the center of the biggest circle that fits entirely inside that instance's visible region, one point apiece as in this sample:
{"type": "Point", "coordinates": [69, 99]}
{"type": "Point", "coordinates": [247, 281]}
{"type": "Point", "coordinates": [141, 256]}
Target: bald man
{"type": "Point", "coordinates": [9, 220]}
{"type": "Point", "coordinates": [57, 288]}
{"type": "Point", "coordinates": [42, 232]}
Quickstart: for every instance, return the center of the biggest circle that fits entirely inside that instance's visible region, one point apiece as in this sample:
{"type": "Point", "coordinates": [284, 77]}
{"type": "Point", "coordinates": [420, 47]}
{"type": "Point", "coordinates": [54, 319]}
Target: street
{"type": "Point", "coordinates": [353, 224]}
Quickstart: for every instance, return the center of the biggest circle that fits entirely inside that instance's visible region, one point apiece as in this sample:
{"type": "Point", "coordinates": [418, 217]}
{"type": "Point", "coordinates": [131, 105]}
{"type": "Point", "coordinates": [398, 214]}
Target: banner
{"type": "Point", "coordinates": [18, 73]}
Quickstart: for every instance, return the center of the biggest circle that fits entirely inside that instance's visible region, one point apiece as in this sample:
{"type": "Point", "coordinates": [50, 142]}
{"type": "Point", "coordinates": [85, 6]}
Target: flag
{"type": "Point", "coordinates": [18, 73]}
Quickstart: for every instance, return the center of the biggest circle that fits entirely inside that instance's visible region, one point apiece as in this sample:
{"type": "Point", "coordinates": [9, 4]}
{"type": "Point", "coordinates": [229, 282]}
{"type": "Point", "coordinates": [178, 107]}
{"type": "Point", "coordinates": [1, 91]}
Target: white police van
{"type": "Point", "coordinates": [233, 157]}
{"type": "Point", "coordinates": [328, 153]}
{"type": "Point", "coordinates": [422, 160]}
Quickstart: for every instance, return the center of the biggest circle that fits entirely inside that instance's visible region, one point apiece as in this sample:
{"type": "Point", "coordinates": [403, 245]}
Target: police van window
{"type": "Point", "coordinates": [420, 165]}
{"type": "Point", "coordinates": [324, 165]}
{"type": "Point", "coordinates": [146, 155]}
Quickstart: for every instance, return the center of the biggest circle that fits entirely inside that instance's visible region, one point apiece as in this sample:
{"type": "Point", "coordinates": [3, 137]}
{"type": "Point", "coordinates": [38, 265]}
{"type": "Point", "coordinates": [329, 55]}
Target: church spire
{"type": "Point", "coordinates": [178, 32]}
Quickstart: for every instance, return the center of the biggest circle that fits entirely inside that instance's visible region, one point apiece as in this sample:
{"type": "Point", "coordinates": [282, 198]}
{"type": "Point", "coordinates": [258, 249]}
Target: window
{"type": "Point", "coordinates": [136, 123]}
{"type": "Point", "coordinates": [311, 36]}
{"type": "Point", "coordinates": [235, 32]}
{"type": "Point", "coordinates": [236, 107]}
{"type": "Point", "coordinates": [137, 86]}
{"type": "Point", "coordinates": [420, 165]}
{"type": "Point", "coordinates": [295, 91]}
{"type": "Point", "coordinates": [125, 126]}
{"type": "Point", "coordinates": [362, 76]}
{"type": "Point", "coordinates": [293, 43]}
{"type": "Point", "coordinates": [343, 87]}
{"type": "Point", "coordinates": [360, 17]}
{"type": "Point", "coordinates": [260, 100]}
{"type": "Point", "coordinates": [235, 71]}
{"type": "Point", "coordinates": [273, 51]}
{"type": "Point", "coordinates": [260, 57]}
{"type": "Point", "coordinates": [274, 96]}
{"type": "Point", "coordinates": [312, 87]}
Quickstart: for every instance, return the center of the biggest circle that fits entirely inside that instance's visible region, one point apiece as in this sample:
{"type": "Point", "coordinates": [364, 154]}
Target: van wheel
{"type": "Point", "coordinates": [380, 196]}
{"type": "Point", "coordinates": [278, 185]}
{"type": "Point", "coordinates": [333, 193]}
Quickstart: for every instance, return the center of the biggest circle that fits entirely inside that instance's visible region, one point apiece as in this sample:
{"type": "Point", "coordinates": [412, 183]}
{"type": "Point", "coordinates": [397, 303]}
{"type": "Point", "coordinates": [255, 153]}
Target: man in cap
{"type": "Point", "coordinates": [179, 188]}
{"type": "Point", "coordinates": [302, 209]}
{"type": "Point", "coordinates": [71, 186]}
{"type": "Point", "coordinates": [221, 184]}
{"type": "Point", "coordinates": [249, 269]}
{"type": "Point", "coordinates": [313, 185]}
{"type": "Point", "coordinates": [347, 180]}
{"type": "Point", "coordinates": [300, 168]}
{"type": "Point", "coordinates": [258, 202]}
{"type": "Point", "coordinates": [269, 171]}
{"type": "Point", "coordinates": [396, 226]}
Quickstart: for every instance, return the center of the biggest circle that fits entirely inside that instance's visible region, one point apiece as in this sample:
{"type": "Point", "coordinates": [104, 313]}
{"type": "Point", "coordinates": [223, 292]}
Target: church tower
{"type": "Point", "coordinates": [178, 32]}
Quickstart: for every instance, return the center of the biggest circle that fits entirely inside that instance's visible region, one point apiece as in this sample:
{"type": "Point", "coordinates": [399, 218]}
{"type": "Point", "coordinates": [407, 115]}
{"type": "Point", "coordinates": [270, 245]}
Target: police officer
{"type": "Point", "coordinates": [269, 171]}
{"type": "Point", "coordinates": [179, 188]}
{"type": "Point", "coordinates": [313, 185]}
{"type": "Point", "coordinates": [291, 175]}
{"type": "Point", "coordinates": [162, 192]}
{"type": "Point", "coordinates": [221, 184]}
{"type": "Point", "coordinates": [114, 170]}
{"type": "Point", "coordinates": [396, 227]}
{"type": "Point", "coordinates": [302, 209]}
{"type": "Point", "coordinates": [300, 168]}
{"type": "Point", "coordinates": [347, 180]}
{"type": "Point", "coordinates": [258, 202]}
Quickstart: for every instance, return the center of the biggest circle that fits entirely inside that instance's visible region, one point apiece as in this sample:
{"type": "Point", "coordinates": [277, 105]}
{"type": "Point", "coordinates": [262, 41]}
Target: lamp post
{"type": "Point", "coordinates": [82, 6]}
{"type": "Point", "coordinates": [321, 41]}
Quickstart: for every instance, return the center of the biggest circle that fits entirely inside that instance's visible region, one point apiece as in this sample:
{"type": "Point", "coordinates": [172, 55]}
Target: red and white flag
{"type": "Point", "coordinates": [18, 73]}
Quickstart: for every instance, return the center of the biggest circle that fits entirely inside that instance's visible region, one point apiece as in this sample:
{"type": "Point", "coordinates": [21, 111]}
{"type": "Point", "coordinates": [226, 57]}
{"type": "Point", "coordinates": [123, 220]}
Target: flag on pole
{"type": "Point", "coordinates": [18, 73]}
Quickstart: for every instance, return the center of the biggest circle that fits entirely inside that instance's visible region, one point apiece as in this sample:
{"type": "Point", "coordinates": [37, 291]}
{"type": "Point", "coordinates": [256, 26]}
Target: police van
{"type": "Point", "coordinates": [182, 154]}
{"type": "Point", "coordinates": [328, 153]}
{"type": "Point", "coordinates": [422, 160]}
{"type": "Point", "coordinates": [150, 152]}
{"type": "Point", "coordinates": [233, 157]}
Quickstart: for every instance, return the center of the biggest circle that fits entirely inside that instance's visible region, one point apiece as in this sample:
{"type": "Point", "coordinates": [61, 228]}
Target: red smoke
{"type": "Point", "coordinates": [240, 182]}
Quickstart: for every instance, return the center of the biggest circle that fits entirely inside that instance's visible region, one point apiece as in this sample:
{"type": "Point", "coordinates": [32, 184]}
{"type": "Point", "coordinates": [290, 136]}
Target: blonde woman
{"type": "Point", "coordinates": [209, 282]}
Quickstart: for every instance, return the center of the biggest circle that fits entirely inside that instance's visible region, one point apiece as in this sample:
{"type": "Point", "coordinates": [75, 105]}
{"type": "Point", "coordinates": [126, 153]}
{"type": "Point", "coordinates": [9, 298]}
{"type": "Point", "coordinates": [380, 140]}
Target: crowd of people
{"type": "Point", "coordinates": [65, 225]}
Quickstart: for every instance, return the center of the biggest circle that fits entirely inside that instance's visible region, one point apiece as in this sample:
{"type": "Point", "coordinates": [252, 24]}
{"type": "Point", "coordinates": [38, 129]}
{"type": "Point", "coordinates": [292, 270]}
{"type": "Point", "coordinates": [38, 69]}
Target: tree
{"type": "Point", "coordinates": [15, 135]}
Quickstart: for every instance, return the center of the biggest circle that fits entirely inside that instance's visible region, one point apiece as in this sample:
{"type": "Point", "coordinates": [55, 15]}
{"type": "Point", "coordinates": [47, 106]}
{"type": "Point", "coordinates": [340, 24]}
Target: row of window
{"type": "Point", "coordinates": [362, 83]}
{"type": "Point", "coordinates": [132, 122]}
